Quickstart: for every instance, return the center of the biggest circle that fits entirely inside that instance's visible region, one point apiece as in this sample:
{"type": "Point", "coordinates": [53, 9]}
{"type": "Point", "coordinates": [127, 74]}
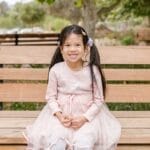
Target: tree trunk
{"type": "Point", "coordinates": [89, 17]}
{"type": "Point", "coordinates": [148, 21]}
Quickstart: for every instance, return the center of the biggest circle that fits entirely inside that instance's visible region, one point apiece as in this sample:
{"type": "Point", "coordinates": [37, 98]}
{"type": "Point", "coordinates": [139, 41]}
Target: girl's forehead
{"type": "Point", "coordinates": [73, 37]}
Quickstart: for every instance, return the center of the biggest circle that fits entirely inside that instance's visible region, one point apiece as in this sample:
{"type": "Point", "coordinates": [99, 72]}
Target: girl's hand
{"type": "Point", "coordinates": [64, 119]}
{"type": "Point", "coordinates": [78, 122]}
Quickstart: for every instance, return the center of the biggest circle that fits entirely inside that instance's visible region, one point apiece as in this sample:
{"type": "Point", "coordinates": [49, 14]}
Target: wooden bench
{"type": "Point", "coordinates": [143, 34]}
{"type": "Point", "coordinates": [29, 39]}
{"type": "Point", "coordinates": [21, 85]}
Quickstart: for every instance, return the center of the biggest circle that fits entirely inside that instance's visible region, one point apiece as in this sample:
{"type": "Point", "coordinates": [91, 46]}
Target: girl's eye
{"type": "Point", "coordinates": [67, 45]}
{"type": "Point", "coordinates": [78, 44]}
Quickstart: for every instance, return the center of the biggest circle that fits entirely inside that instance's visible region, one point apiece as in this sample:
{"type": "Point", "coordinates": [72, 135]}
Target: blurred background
{"type": "Point", "coordinates": [109, 22]}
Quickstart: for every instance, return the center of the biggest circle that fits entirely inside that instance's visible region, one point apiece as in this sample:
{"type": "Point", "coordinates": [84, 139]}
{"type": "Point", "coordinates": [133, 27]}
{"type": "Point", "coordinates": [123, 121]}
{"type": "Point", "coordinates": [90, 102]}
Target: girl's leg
{"type": "Point", "coordinates": [83, 143]}
{"type": "Point", "coordinates": [59, 145]}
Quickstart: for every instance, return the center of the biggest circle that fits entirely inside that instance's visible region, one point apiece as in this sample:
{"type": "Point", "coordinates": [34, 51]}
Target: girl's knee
{"type": "Point", "coordinates": [59, 145]}
{"type": "Point", "coordinates": [82, 148]}
{"type": "Point", "coordinates": [83, 144]}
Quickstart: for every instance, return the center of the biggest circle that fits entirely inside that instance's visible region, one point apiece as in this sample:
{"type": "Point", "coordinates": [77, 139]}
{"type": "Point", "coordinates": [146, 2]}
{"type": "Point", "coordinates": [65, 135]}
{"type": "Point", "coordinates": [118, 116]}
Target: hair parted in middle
{"type": "Point", "coordinates": [94, 54]}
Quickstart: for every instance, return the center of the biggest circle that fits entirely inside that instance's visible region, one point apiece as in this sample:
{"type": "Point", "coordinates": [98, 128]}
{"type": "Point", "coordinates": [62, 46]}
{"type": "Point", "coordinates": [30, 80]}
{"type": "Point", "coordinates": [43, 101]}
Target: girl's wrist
{"type": "Point", "coordinates": [58, 115]}
{"type": "Point", "coordinates": [85, 119]}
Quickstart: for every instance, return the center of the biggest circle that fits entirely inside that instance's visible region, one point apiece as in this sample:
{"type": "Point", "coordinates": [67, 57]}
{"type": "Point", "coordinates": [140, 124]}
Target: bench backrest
{"type": "Point", "coordinates": [29, 39]}
{"type": "Point", "coordinates": [127, 83]}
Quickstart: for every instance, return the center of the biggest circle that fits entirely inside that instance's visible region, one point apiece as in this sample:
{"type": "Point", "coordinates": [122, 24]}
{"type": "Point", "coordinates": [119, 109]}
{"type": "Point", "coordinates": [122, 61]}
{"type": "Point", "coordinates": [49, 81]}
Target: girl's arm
{"type": "Point", "coordinates": [98, 98]}
{"type": "Point", "coordinates": [51, 93]}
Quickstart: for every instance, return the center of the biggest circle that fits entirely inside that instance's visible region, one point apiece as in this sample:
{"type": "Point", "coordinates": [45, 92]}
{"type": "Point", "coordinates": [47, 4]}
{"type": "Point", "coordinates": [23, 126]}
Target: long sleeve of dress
{"type": "Point", "coordinates": [98, 98]}
{"type": "Point", "coordinates": [51, 93]}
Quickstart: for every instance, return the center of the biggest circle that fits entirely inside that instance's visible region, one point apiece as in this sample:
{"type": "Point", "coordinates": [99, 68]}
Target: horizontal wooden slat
{"type": "Point", "coordinates": [42, 74]}
{"type": "Point", "coordinates": [32, 114]}
{"type": "Point", "coordinates": [19, 120]}
{"type": "Point", "coordinates": [23, 74]}
{"type": "Point", "coordinates": [30, 41]}
{"type": "Point", "coordinates": [135, 130]}
{"type": "Point", "coordinates": [128, 93]}
{"type": "Point", "coordinates": [23, 92]}
{"type": "Point", "coordinates": [42, 55]}
{"type": "Point", "coordinates": [12, 147]}
{"type": "Point", "coordinates": [125, 55]}
{"type": "Point", "coordinates": [133, 147]}
{"type": "Point", "coordinates": [29, 35]}
{"type": "Point", "coordinates": [128, 136]}
{"type": "Point", "coordinates": [131, 114]}
{"type": "Point", "coordinates": [15, 123]}
{"type": "Point", "coordinates": [119, 147]}
{"type": "Point", "coordinates": [127, 74]}
{"type": "Point", "coordinates": [115, 93]}
{"type": "Point", "coordinates": [19, 114]}
{"type": "Point", "coordinates": [137, 123]}
{"type": "Point", "coordinates": [26, 54]}
{"type": "Point", "coordinates": [13, 140]}
{"type": "Point", "coordinates": [27, 44]}
{"type": "Point", "coordinates": [135, 136]}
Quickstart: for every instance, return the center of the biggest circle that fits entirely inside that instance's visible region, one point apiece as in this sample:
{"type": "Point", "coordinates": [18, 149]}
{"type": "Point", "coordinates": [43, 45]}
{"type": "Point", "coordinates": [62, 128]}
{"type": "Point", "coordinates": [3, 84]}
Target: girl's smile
{"type": "Point", "coordinates": [73, 56]}
{"type": "Point", "coordinates": [73, 50]}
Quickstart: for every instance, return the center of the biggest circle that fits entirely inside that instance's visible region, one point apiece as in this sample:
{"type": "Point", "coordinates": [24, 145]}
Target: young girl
{"type": "Point", "coordinates": [75, 116]}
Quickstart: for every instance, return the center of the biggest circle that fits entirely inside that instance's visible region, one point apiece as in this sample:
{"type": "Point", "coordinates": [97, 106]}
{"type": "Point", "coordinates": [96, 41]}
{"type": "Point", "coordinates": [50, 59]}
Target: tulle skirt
{"type": "Point", "coordinates": [104, 129]}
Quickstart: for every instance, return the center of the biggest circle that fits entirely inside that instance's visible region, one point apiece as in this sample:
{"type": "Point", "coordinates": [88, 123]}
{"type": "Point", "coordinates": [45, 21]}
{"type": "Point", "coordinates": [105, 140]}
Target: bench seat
{"type": "Point", "coordinates": [135, 128]}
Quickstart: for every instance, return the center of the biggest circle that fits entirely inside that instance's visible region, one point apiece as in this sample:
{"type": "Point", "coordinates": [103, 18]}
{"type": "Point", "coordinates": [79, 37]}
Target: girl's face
{"type": "Point", "coordinates": [73, 49]}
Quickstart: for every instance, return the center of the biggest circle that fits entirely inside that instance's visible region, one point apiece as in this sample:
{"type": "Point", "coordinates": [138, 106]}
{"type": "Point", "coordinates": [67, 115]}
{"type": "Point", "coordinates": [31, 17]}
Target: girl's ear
{"type": "Point", "coordinates": [87, 49]}
{"type": "Point", "coordinates": [86, 57]}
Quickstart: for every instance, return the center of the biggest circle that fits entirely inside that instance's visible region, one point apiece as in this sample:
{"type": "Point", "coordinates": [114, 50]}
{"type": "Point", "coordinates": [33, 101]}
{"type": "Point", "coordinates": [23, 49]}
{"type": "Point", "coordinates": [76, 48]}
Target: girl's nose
{"type": "Point", "coordinates": [72, 48]}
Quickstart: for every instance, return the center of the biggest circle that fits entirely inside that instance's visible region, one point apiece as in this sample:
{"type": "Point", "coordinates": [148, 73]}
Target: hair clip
{"type": "Point", "coordinates": [83, 32]}
{"type": "Point", "coordinates": [90, 42]}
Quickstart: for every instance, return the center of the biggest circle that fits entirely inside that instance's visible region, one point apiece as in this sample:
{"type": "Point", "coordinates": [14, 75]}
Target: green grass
{"type": "Point", "coordinates": [112, 106]}
{"type": "Point", "coordinates": [23, 106]}
{"type": "Point", "coordinates": [129, 106]}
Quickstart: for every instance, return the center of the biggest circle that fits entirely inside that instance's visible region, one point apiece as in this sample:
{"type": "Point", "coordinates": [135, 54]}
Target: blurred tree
{"type": "Point", "coordinates": [31, 13]}
{"type": "Point", "coordinates": [87, 11]}
{"type": "Point", "coordinates": [137, 8]}
{"type": "Point", "coordinates": [3, 8]}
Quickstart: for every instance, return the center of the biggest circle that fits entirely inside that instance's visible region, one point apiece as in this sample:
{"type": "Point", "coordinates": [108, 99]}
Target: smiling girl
{"type": "Point", "coordinates": [75, 116]}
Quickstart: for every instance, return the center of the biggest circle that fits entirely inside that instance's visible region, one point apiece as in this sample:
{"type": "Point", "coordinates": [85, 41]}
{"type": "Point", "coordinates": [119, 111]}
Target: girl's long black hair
{"type": "Point", "coordinates": [94, 54]}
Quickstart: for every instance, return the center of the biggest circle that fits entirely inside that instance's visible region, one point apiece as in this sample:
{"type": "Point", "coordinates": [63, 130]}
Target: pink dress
{"type": "Point", "coordinates": [70, 92]}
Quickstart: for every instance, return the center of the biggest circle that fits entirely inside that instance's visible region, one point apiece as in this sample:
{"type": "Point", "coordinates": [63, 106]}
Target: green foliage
{"type": "Point", "coordinates": [58, 24]}
{"type": "Point", "coordinates": [47, 1]}
{"type": "Point", "coordinates": [137, 7]}
{"type": "Point", "coordinates": [129, 106]}
{"type": "Point", "coordinates": [112, 106]}
{"type": "Point", "coordinates": [78, 3]}
{"type": "Point", "coordinates": [127, 40]}
{"type": "Point", "coordinates": [22, 15]}
{"type": "Point", "coordinates": [25, 15]}
{"type": "Point", "coordinates": [55, 23]}
{"type": "Point", "coordinates": [8, 22]}
{"type": "Point", "coordinates": [31, 14]}
{"type": "Point", "coordinates": [131, 9]}
{"type": "Point", "coordinates": [25, 106]}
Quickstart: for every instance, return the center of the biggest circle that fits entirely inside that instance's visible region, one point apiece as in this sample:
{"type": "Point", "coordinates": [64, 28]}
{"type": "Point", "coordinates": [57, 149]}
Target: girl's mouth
{"type": "Point", "coordinates": [73, 56]}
